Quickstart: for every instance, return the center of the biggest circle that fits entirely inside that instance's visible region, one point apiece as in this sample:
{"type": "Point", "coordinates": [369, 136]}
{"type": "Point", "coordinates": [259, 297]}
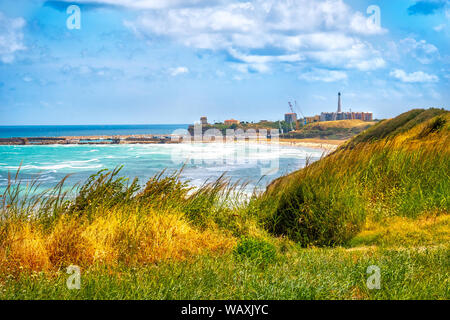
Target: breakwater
{"type": "Point", "coordinates": [153, 139]}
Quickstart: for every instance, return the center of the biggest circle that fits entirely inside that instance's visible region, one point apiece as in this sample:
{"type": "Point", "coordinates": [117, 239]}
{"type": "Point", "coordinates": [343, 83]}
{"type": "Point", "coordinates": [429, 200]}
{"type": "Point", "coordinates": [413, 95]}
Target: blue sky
{"type": "Point", "coordinates": [171, 61]}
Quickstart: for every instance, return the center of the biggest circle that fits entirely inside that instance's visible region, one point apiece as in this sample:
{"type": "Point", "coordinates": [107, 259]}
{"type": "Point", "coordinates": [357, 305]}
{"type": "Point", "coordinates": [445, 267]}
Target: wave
{"type": "Point", "coordinates": [63, 165]}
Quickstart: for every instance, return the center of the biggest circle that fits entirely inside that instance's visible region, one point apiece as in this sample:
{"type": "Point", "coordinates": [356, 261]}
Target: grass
{"type": "Point", "coordinates": [383, 201]}
{"type": "Point", "coordinates": [300, 274]}
{"type": "Point", "coordinates": [338, 130]}
{"type": "Point", "coordinates": [426, 231]}
{"type": "Point", "coordinates": [328, 202]}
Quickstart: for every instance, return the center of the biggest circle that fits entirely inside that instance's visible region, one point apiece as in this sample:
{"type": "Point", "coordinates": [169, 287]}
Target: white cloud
{"type": "Point", "coordinates": [146, 4]}
{"type": "Point", "coordinates": [424, 52]}
{"type": "Point", "coordinates": [324, 75]}
{"type": "Point", "coordinates": [85, 71]}
{"type": "Point", "coordinates": [369, 65]}
{"type": "Point", "coordinates": [440, 27]}
{"type": "Point", "coordinates": [11, 37]}
{"type": "Point", "coordinates": [326, 31]}
{"type": "Point", "coordinates": [260, 62]}
{"type": "Point", "coordinates": [177, 71]}
{"type": "Point", "coordinates": [415, 77]}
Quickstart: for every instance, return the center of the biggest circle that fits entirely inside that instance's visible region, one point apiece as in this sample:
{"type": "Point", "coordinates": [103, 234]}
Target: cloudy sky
{"type": "Point", "coordinates": [171, 61]}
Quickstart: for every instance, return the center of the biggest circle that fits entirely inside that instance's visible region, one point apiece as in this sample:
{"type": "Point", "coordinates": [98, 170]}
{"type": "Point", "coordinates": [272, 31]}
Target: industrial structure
{"type": "Point", "coordinates": [339, 115]}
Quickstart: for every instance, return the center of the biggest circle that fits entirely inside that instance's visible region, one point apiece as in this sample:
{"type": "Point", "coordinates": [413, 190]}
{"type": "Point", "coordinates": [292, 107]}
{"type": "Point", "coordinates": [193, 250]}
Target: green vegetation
{"type": "Point", "coordinates": [265, 125]}
{"type": "Point", "coordinates": [328, 202]}
{"type": "Point", "coordinates": [332, 130]}
{"type": "Point", "coordinates": [380, 199]}
{"type": "Point", "coordinates": [260, 251]}
{"type": "Point", "coordinates": [401, 124]}
{"type": "Point", "coordinates": [299, 274]}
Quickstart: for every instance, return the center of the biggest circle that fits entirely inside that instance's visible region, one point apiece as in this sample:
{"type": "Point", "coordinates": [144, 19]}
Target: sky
{"type": "Point", "coordinates": [172, 61]}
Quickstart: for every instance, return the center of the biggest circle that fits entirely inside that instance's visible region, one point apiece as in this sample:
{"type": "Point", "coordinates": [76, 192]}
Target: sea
{"type": "Point", "coordinates": [87, 130]}
{"type": "Point", "coordinates": [255, 165]}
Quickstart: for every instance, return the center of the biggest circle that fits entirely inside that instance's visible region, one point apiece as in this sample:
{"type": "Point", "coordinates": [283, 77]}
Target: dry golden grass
{"type": "Point", "coordinates": [114, 238]}
{"type": "Point", "coordinates": [427, 230]}
{"type": "Point", "coordinates": [340, 124]}
{"type": "Point", "coordinates": [23, 248]}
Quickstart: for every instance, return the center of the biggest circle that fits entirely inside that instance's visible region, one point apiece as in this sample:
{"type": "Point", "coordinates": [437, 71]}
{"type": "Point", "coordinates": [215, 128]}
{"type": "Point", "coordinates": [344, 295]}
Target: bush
{"type": "Point", "coordinates": [317, 215]}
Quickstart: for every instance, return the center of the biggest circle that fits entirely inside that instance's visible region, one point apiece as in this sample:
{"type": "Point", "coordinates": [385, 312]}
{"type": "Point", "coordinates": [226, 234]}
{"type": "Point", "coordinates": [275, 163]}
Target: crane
{"type": "Point", "coordinates": [290, 107]}
{"type": "Point", "coordinates": [296, 107]}
{"type": "Point", "coordinates": [292, 110]}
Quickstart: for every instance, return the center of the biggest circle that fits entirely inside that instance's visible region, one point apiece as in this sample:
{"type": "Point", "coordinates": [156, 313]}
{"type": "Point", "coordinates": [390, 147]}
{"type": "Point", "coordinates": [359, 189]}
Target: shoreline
{"type": "Point", "coordinates": [329, 145]}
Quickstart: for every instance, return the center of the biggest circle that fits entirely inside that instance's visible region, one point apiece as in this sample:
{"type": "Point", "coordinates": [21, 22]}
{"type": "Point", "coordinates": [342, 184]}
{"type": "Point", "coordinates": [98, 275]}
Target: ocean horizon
{"type": "Point", "coordinates": [24, 131]}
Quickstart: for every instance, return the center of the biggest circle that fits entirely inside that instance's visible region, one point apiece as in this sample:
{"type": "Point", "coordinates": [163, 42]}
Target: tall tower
{"type": "Point", "coordinates": [339, 103]}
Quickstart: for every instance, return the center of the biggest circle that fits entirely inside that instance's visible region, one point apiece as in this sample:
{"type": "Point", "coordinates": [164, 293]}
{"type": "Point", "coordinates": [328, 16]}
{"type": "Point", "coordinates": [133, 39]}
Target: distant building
{"type": "Point", "coordinates": [311, 119]}
{"type": "Point", "coordinates": [290, 118]}
{"type": "Point", "coordinates": [339, 115]}
{"type": "Point", "coordinates": [231, 122]}
{"type": "Point", "coordinates": [333, 116]}
{"type": "Point", "coordinates": [327, 116]}
{"type": "Point", "coordinates": [204, 120]}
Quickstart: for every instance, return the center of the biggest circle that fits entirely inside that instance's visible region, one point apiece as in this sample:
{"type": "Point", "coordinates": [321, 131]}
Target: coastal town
{"type": "Point", "coordinates": [292, 127]}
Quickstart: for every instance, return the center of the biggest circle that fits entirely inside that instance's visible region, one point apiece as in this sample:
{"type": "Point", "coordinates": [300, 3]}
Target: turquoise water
{"type": "Point", "coordinates": [87, 130]}
{"type": "Point", "coordinates": [245, 162]}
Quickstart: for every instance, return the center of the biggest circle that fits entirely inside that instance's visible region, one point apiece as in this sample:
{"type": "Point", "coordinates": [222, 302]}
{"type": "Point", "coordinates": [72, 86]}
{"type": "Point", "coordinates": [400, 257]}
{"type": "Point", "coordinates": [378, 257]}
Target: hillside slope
{"type": "Point", "coordinates": [343, 129]}
{"type": "Point", "coordinates": [389, 129]}
{"type": "Point", "coordinates": [399, 167]}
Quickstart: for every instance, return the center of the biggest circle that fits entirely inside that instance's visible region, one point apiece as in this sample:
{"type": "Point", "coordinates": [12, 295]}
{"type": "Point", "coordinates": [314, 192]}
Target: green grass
{"type": "Point", "coordinates": [298, 274]}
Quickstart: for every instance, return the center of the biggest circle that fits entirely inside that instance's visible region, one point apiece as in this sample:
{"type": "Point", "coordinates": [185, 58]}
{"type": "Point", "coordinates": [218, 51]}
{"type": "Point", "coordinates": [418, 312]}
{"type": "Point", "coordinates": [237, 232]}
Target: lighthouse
{"type": "Point", "coordinates": [339, 103]}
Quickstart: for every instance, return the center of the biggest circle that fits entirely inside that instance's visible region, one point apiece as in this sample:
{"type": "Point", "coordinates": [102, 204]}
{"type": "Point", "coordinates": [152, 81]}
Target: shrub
{"type": "Point", "coordinates": [319, 215]}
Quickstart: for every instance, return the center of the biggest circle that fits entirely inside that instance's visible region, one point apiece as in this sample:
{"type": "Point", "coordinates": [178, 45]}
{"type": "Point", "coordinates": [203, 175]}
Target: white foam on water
{"type": "Point", "coordinates": [245, 161]}
{"type": "Point", "coordinates": [63, 165]}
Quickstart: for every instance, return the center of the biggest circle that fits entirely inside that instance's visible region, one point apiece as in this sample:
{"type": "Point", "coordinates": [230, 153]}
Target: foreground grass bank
{"type": "Point", "coordinates": [412, 273]}
{"type": "Point", "coordinates": [382, 199]}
